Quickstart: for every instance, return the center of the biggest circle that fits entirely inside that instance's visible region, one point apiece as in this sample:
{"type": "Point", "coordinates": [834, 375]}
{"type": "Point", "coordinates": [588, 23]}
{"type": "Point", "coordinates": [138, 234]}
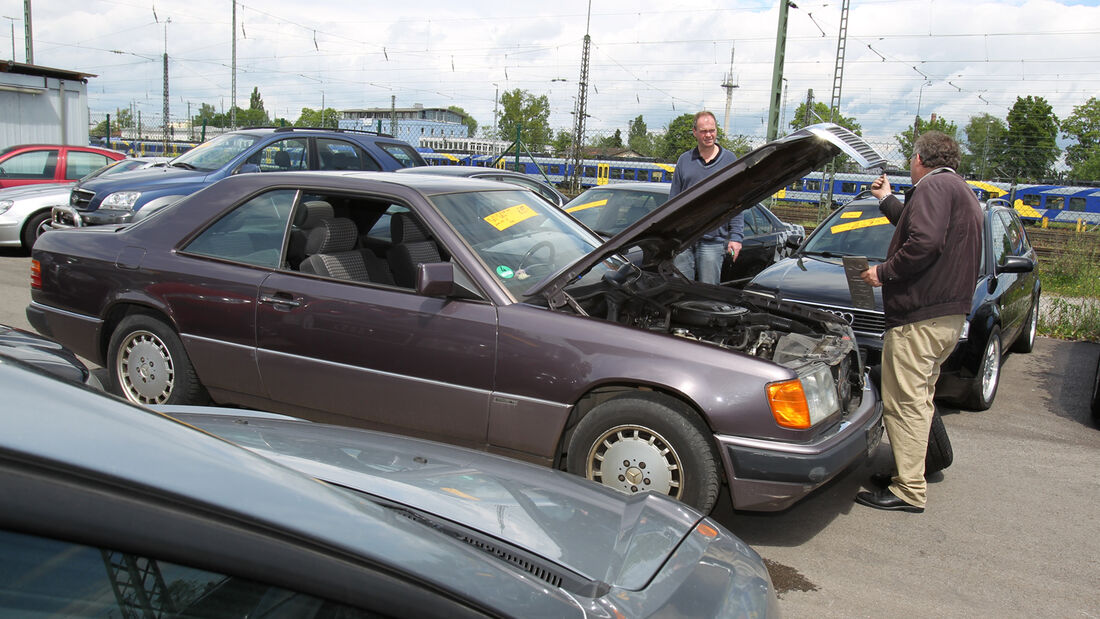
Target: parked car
{"type": "Point", "coordinates": [130, 197]}
{"type": "Point", "coordinates": [543, 189]}
{"type": "Point", "coordinates": [609, 209]}
{"type": "Point", "coordinates": [1004, 315]}
{"type": "Point", "coordinates": [46, 354]}
{"type": "Point", "coordinates": [107, 509]}
{"type": "Point", "coordinates": [475, 313]}
{"type": "Point", "coordinates": [33, 164]}
{"type": "Point", "coordinates": [25, 210]}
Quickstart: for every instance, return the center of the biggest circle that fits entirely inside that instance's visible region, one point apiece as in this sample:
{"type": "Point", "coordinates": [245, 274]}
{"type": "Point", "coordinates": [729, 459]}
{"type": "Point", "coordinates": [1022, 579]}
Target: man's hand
{"type": "Point", "coordinates": [880, 187]}
{"type": "Point", "coordinates": [871, 276]}
{"type": "Point", "coordinates": [734, 250]}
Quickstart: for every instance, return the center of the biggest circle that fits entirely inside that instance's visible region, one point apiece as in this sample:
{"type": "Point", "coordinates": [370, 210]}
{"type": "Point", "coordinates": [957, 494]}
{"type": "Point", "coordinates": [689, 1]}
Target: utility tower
{"type": "Point", "coordinates": [729, 85]}
{"type": "Point", "coordinates": [580, 110]}
{"type": "Point", "coordinates": [834, 103]}
{"type": "Point", "coordinates": [777, 70]}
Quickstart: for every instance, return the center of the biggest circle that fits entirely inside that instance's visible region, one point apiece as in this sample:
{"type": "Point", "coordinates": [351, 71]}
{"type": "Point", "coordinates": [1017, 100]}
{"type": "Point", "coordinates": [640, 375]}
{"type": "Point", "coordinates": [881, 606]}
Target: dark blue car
{"type": "Point", "coordinates": [125, 198]}
{"type": "Point", "coordinates": [1003, 316]}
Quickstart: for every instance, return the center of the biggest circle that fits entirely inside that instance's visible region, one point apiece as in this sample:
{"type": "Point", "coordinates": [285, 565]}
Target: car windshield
{"type": "Point", "coordinates": [215, 153]}
{"type": "Point", "coordinates": [609, 211]}
{"type": "Point", "coordinates": [855, 230]}
{"type": "Point", "coordinates": [519, 238]}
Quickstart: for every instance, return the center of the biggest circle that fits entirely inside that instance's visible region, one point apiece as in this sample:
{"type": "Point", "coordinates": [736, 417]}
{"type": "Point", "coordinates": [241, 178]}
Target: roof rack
{"type": "Point", "coordinates": [288, 129]}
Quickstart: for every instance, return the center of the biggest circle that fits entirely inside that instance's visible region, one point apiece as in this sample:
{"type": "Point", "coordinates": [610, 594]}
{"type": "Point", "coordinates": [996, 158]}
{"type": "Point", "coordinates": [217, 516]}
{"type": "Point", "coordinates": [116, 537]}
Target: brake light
{"type": "Point", "coordinates": [788, 404]}
{"type": "Point", "coordinates": [36, 275]}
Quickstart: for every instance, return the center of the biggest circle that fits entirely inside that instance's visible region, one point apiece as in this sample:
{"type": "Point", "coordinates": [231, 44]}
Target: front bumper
{"type": "Point", "coordinates": [68, 217]}
{"type": "Point", "coordinates": [768, 475]}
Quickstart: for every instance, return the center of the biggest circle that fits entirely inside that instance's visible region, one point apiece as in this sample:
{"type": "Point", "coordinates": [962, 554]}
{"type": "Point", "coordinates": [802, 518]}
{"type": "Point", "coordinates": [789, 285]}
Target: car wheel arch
{"type": "Point", "coordinates": [33, 219]}
{"type": "Point", "coordinates": [122, 310]}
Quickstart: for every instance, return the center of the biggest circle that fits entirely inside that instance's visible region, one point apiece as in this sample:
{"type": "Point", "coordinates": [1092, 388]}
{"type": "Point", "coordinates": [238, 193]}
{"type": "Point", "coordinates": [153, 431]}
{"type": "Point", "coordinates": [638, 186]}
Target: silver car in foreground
{"type": "Point", "coordinates": [108, 509]}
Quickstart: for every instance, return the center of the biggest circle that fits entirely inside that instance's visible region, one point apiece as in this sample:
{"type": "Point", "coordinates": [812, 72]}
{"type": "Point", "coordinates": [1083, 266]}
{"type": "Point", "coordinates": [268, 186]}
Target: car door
{"type": "Point", "coordinates": [375, 354]}
{"type": "Point", "coordinates": [1017, 287]}
{"type": "Point", "coordinates": [30, 167]}
{"type": "Point", "coordinates": [758, 249]}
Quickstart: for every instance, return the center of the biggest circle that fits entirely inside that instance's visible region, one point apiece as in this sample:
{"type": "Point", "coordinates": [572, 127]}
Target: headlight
{"type": "Point", "coordinates": [121, 199]}
{"type": "Point", "coordinates": [5, 205]}
{"type": "Point", "coordinates": [806, 400]}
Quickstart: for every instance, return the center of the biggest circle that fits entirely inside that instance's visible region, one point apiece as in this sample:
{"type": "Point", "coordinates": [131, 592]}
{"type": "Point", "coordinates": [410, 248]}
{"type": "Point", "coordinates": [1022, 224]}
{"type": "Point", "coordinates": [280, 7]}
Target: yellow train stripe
{"type": "Point", "coordinates": [1025, 210]}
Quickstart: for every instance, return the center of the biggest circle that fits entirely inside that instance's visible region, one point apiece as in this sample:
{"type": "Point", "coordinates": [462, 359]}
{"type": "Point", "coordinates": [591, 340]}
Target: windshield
{"type": "Point", "coordinates": [214, 154]}
{"type": "Point", "coordinates": [854, 230]}
{"type": "Point", "coordinates": [519, 238]}
{"type": "Point", "coordinates": [609, 211]}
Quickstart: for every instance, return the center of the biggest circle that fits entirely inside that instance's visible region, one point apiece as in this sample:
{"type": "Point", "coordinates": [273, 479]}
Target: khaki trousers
{"type": "Point", "coordinates": [911, 358]}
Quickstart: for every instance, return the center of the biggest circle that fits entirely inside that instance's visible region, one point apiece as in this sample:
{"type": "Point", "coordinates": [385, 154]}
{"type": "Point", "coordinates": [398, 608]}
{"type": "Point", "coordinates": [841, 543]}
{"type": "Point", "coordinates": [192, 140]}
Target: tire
{"type": "Point", "coordinates": [148, 364]}
{"type": "Point", "coordinates": [1096, 397]}
{"type": "Point", "coordinates": [1026, 340]}
{"type": "Point", "coordinates": [939, 455]}
{"type": "Point", "coordinates": [984, 387]}
{"type": "Point", "coordinates": [32, 228]}
{"type": "Point", "coordinates": [653, 443]}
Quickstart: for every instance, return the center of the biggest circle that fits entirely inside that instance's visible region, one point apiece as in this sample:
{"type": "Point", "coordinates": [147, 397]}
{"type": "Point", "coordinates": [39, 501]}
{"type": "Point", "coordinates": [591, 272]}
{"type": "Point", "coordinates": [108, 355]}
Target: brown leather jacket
{"type": "Point", "coordinates": [934, 258]}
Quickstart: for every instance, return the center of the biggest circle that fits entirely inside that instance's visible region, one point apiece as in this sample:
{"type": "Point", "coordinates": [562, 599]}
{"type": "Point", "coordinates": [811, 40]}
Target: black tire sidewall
{"type": "Point", "coordinates": [1025, 342]}
{"type": "Point", "coordinates": [186, 388]}
{"type": "Point", "coordinates": [681, 428]}
{"type": "Point", "coordinates": [30, 229]}
{"type": "Point", "coordinates": [977, 400]}
{"type": "Point", "coordinates": [939, 455]}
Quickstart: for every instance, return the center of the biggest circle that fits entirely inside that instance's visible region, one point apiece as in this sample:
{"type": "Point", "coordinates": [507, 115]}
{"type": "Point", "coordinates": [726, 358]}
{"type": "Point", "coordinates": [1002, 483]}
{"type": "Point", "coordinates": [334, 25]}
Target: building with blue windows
{"type": "Point", "coordinates": [407, 123]}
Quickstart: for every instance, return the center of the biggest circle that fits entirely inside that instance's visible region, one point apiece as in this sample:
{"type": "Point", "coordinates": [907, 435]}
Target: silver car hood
{"type": "Point", "coordinates": [589, 529]}
{"type": "Point", "coordinates": [675, 225]}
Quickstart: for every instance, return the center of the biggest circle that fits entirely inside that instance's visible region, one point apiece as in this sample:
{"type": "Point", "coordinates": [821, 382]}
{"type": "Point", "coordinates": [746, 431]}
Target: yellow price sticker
{"type": "Point", "coordinates": [851, 215]}
{"type": "Point", "coordinates": [502, 220]}
{"type": "Point", "coordinates": [581, 207]}
{"type": "Point", "coordinates": [856, 225]}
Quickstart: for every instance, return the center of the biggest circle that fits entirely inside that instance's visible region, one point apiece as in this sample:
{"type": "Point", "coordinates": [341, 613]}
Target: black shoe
{"type": "Point", "coordinates": [884, 499]}
{"type": "Point", "coordinates": [882, 480]}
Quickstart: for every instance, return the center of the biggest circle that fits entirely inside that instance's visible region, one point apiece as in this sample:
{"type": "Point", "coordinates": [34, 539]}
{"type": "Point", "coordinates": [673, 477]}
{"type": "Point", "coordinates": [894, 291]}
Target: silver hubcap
{"type": "Point", "coordinates": [991, 368]}
{"type": "Point", "coordinates": [145, 369]}
{"type": "Point", "coordinates": [634, 459]}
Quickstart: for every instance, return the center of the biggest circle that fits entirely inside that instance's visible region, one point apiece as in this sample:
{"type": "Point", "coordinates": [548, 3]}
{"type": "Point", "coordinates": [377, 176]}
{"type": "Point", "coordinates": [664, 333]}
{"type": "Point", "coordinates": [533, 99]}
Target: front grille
{"type": "Point", "coordinates": [863, 322]}
{"type": "Point", "coordinates": [81, 198]}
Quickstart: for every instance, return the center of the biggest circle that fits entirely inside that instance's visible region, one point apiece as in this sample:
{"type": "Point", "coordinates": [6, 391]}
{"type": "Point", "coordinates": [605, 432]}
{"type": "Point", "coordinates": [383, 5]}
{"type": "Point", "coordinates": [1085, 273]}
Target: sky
{"type": "Point", "coordinates": [954, 58]}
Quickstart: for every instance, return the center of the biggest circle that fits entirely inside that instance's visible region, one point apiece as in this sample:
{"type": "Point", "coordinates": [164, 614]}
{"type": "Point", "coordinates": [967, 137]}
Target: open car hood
{"type": "Point", "coordinates": [675, 225]}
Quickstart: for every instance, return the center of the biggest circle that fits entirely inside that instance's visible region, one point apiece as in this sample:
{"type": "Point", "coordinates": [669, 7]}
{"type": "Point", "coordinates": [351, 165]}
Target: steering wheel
{"type": "Point", "coordinates": [523, 266]}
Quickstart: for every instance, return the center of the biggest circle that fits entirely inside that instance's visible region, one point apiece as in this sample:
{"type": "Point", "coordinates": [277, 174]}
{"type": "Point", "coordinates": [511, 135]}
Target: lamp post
{"type": "Point", "coordinates": [916, 119]}
{"type": "Point", "coordinates": [12, 36]}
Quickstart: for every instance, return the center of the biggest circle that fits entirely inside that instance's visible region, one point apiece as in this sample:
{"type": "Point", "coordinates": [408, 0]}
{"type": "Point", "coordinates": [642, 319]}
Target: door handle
{"type": "Point", "coordinates": [276, 300]}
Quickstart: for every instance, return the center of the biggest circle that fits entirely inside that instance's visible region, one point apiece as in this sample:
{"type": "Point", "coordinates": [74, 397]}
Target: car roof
{"type": "Point", "coordinates": [459, 170]}
{"type": "Point", "coordinates": [635, 186]}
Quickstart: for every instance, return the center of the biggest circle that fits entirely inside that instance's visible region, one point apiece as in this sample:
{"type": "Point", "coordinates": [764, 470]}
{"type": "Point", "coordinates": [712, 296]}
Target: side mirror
{"type": "Point", "coordinates": [247, 168]}
{"type": "Point", "coordinates": [1016, 264]}
{"type": "Point", "coordinates": [435, 279]}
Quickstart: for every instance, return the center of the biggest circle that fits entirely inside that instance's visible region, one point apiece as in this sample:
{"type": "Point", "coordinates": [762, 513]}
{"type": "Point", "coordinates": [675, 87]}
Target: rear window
{"type": "Point", "coordinates": [405, 155]}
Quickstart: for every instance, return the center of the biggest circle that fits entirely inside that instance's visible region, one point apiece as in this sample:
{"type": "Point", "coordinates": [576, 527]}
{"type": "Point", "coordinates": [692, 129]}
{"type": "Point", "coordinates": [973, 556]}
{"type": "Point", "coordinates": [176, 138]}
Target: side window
{"type": "Point", "coordinates": [36, 165]}
{"type": "Point", "coordinates": [282, 156]}
{"type": "Point", "coordinates": [405, 155]}
{"type": "Point", "coordinates": [79, 164]}
{"type": "Point", "coordinates": [1015, 234]}
{"type": "Point", "coordinates": [760, 222]}
{"type": "Point", "coordinates": [341, 155]}
{"type": "Point", "coordinates": [1002, 244]}
{"type": "Point", "coordinates": [1031, 199]}
{"type": "Point", "coordinates": [41, 577]}
{"type": "Point", "coordinates": [252, 233]}
{"type": "Point", "coordinates": [1077, 204]}
{"type": "Point", "coordinates": [1055, 202]}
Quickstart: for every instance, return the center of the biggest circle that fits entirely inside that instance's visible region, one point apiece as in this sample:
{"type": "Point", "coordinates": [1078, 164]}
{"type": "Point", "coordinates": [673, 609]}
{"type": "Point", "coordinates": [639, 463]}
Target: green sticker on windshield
{"type": "Point", "coordinates": [505, 272]}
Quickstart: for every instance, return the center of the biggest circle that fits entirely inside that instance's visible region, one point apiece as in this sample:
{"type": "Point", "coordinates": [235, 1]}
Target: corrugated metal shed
{"type": "Point", "coordinates": [42, 105]}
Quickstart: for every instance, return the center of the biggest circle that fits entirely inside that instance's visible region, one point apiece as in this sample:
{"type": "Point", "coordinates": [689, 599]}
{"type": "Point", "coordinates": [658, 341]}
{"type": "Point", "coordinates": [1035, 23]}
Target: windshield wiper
{"type": "Point", "coordinates": [827, 254]}
{"type": "Point", "coordinates": [184, 165]}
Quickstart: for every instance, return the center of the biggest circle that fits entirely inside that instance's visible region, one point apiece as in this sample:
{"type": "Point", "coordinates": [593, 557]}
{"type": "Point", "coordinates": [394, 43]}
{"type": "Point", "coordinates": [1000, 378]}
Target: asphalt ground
{"type": "Point", "coordinates": [1012, 528]}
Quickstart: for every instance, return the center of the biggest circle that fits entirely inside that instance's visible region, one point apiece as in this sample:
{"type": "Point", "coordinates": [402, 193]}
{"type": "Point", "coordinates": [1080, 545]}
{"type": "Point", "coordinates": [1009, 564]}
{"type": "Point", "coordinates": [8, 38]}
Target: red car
{"type": "Point", "coordinates": [30, 164]}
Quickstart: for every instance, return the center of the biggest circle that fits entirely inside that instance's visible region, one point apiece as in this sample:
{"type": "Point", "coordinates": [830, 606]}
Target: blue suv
{"type": "Point", "coordinates": [131, 196]}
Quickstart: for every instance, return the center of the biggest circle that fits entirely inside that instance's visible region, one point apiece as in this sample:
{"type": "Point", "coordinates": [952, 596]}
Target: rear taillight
{"type": "Point", "coordinates": [36, 275]}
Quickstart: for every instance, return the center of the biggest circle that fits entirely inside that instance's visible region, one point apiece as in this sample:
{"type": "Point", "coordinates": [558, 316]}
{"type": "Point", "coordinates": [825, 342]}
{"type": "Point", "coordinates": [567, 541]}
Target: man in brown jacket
{"type": "Point", "coordinates": [928, 282]}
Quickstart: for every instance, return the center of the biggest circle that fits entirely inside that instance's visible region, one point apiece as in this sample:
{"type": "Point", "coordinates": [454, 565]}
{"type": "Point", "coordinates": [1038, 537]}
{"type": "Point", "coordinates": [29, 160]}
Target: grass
{"type": "Point", "coordinates": [1071, 283]}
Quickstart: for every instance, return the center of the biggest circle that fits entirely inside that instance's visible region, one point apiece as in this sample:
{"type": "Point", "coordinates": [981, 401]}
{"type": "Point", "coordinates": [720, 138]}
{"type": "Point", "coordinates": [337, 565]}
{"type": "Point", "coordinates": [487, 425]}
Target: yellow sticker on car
{"type": "Point", "coordinates": [502, 220]}
{"type": "Point", "coordinates": [851, 215]}
{"type": "Point", "coordinates": [581, 207]}
{"type": "Point", "coordinates": [856, 225]}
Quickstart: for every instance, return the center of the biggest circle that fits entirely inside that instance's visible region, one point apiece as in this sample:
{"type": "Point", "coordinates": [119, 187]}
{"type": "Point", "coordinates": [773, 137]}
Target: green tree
{"type": "Point", "coordinates": [563, 143]}
{"type": "Point", "coordinates": [638, 137]}
{"type": "Point", "coordinates": [906, 138]}
{"type": "Point", "coordinates": [252, 117]}
{"type": "Point", "coordinates": [739, 145]}
{"type": "Point", "coordinates": [614, 140]}
{"type": "Point", "coordinates": [328, 118]}
{"type": "Point", "coordinates": [677, 138]}
{"type": "Point", "coordinates": [1083, 125]}
{"type": "Point", "coordinates": [1030, 143]}
{"type": "Point", "coordinates": [205, 116]}
{"type": "Point", "coordinates": [533, 113]}
{"type": "Point", "coordinates": [120, 120]}
{"type": "Point", "coordinates": [821, 114]}
{"type": "Point", "coordinates": [255, 101]}
{"type": "Point", "coordinates": [984, 152]}
{"type": "Point", "coordinates": [469, 121]}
